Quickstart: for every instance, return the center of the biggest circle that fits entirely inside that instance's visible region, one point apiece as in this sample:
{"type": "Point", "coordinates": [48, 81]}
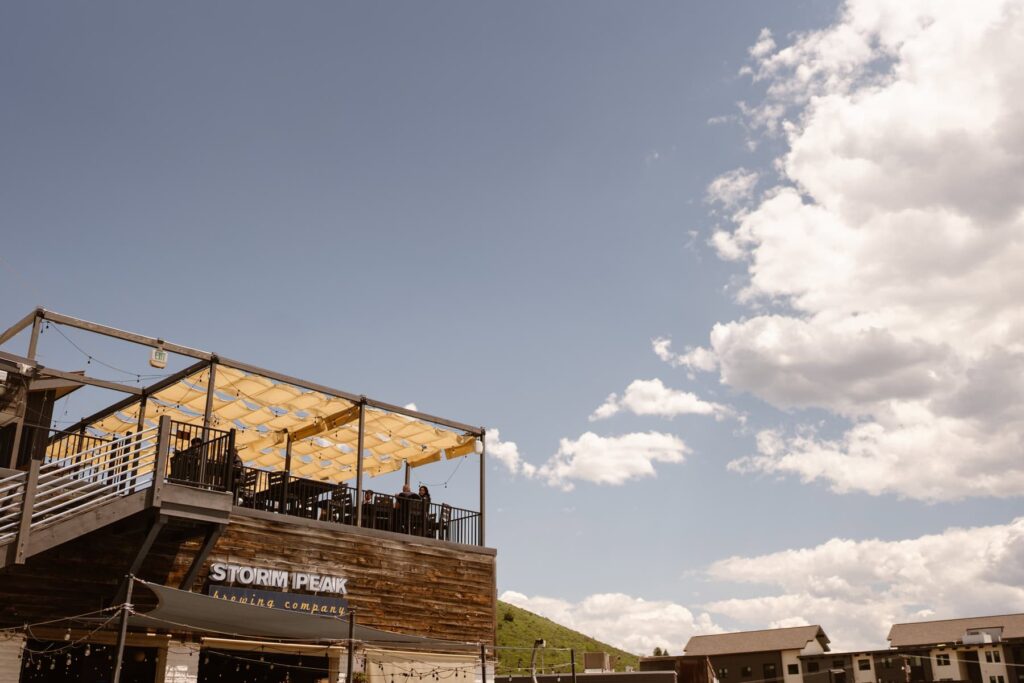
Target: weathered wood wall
{"type": "Point", "coordinates": [395, 582]}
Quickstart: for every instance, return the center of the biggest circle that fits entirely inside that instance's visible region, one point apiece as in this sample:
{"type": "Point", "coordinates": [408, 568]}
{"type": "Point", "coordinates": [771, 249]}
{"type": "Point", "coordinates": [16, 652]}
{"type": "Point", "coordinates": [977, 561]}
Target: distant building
{"type": "Point", "coordinates": [975, 649]}
{"type": "Point", "coordinates": [766, 656]}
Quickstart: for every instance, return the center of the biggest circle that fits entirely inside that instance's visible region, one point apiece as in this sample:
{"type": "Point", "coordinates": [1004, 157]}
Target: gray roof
{"type": "Point", "coordinates": [952, 630]}
{"type": "Point", "coordinates": [795, 638]}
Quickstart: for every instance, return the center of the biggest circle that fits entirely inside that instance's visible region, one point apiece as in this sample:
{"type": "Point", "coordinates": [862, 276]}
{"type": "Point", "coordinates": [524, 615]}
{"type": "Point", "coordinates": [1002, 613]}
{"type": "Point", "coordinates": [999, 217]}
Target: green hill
{"type": "Point", "coordinates": [518, 628]}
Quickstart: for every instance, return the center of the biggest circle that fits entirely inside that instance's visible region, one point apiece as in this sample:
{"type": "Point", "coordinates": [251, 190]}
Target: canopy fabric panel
{"type": "Point", "coordinates": [177, 610]}
{"type": "Point", "coordinates": [323, 428]}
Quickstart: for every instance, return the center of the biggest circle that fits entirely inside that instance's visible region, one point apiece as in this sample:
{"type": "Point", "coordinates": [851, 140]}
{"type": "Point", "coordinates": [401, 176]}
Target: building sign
{"type": "Point", "coordinates": [221, 572]}
{"type": "Point", "coordinates": [293, 602]}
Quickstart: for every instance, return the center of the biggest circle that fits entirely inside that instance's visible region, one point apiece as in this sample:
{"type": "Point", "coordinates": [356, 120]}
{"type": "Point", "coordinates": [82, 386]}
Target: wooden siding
{"type": "Point", "coordinates": [394, 583]}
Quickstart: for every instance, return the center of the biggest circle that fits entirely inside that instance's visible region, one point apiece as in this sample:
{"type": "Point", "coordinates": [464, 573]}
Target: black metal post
{"type": "Point", "coordinates": [349, 673]}
{"type": "Point", "coordinates": [483, 663]}
{"type": "Point", "coordinates": [572, 655]}
{"type": "Point", "coordinates": [483, 483]}
{"type": "Point", "coordinates": [211, 387]}
{"type": "Point", "coordinates": [283, 503]}
{"type": "Point", "coordinates": [359, 462]}
{"type": "Point", "coordinates": [122, 635]}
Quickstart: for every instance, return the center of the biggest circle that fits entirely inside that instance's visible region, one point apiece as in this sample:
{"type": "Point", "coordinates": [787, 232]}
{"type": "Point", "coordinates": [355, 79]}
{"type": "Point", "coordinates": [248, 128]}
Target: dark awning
{"type": "Point", "coordinates": [179, 610]}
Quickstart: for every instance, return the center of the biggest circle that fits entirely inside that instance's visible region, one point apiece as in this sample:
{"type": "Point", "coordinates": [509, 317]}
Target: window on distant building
{"type": "Point", "coordinates": [745, 671]}
{"type": "Point", "coordinates": [723, 673]}
{"type": "Point", "coordinates": [988, 658]}
{"type": "Point", "coordinates": [864, 664]}
{"type": "Point", "coordinates": [942, 660]}
{"type": "Point", "coordinates": [886, 662]}
{"type": "Point", "coordinates": [838, 664]}
{"type": "Point", "coordinates": [995, 656]}
{"type": "Point", "coordinates": [812, 667]}
{"type": "Point", "coordinates": [770, 672]}
{"type": "Point", "coordinates": [793, 669]}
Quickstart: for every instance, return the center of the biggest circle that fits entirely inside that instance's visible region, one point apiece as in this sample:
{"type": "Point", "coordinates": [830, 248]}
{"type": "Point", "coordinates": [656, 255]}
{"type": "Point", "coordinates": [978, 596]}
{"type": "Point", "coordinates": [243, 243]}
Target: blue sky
{"type": "Point", "coordinates": [491, 211]}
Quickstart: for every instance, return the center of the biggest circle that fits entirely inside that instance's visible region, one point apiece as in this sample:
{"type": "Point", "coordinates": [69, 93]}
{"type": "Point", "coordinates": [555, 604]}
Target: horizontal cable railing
{"type": "Point", "coordinates": [12, 489]}
{"type": "Point", "coordinates": [84, 480]}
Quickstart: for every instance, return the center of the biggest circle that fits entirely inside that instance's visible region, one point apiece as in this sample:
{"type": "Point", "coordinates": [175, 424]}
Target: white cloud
{"type": "Point", "coordinates": [652, 397]}
{"type": "Point", "coordinates": [884, 269]}
{"type": "Point", "coordinates": [611, 460]}
{"type": "Point", "coordinates": [857, 589]}
{"type": "Point", "coordinates": [507, 453]}
{"type": "Point", "coordinates": [629, 623]}
{"type": "Point", "coordinates": [734, 188]}
{"type": "Point", "coordinates": [696, 358]}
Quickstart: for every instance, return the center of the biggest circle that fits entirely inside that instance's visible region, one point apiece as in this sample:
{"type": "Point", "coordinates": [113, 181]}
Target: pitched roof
{"type": "Point", "coordinates": [795, 638]}
{"type": "Point", "coordinates": [952, 630]}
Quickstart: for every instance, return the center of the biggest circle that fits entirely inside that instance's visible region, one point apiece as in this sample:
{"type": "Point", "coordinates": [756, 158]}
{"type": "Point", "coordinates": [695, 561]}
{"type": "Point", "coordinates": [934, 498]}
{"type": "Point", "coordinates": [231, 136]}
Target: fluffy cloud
{"type": "Point", "coordinates": [884, 267]}
{"type": "Point", "coordinates": [629, 623]}
{"type": "Point", "coordinates": [507, 453]}
{"type": "Point", "coordinates": [611, 460]}
{"type": "Point", "coordinates": [652, 397]}
{"type": "Point", "coordinates": [733, 188]}
{"type": "Point", "coordinates": [857, 589]}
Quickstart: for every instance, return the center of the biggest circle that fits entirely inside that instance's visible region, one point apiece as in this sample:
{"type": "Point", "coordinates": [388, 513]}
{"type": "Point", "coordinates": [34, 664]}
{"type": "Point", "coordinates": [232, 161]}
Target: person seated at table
{"type": "Point", "coordinates": [237, 471]}
{"type": "Point", "coordinates": [405, 506]}
{"type": "Point", "coordinates": [367, 508]}
{"type": "Point", "coordinates": [185, 463]}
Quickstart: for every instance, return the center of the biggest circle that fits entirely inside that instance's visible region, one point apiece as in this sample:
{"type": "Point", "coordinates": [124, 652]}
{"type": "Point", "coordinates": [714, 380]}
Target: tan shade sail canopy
{"type": "Point", "coordinates": [323, 429]}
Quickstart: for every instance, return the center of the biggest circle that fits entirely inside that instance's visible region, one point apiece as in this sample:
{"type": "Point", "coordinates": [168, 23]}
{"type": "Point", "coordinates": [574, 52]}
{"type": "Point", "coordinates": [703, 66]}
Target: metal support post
{"type": "Point", "coordinates": [28, 501]}
{"type": "Point", "coordinates": [283, 503]}
{"type": "Point", "coordinates": [483, 483]}
{"type": "Point", "coordinates": [349, 673]}
{"type": "Point", "coordinates": [359, 461]}
{"type": "Point", "coordinates": [122, 635]}
{"type": "Point", "coordinates": [483, 663]}
{"type": "Point", "coordinates": [572, 655]}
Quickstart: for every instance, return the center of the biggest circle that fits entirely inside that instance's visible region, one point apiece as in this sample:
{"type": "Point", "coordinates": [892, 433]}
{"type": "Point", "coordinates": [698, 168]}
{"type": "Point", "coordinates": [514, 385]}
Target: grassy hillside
{"type": "Point", "coordinates": [519, 628]}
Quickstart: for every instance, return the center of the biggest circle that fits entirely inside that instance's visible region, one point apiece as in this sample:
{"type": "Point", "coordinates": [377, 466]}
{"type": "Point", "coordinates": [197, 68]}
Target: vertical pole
{"type": "Point", "coordinates": [572, 655]}
{"type": "Point", "coordinates": [19, 425]}
{"type": "Point", "coordinates": [204, 452]}
{"type": "Point", "coordinates": [359, 461]}
{"type": "Point", "coordinates": [33, 341]}
{"type": "Point", "coordinates": [349, 673]}
{"type": "Point", "coordinates": [163, 455]}
{"type": "Point", "coordinates": [483, 663]}
{"type": "Point", "coordinates": [408, 473]}
{"type": "Point", "coordinates": [122, 635]}
{"type": "Point", "coordinates": [483, 483]}
{"type": "Point", "coordinates": [28, 500]}
{"type": "Point", "coordinates": [140, 424]}
{"type": "Point", "coordinates": [283, 503]}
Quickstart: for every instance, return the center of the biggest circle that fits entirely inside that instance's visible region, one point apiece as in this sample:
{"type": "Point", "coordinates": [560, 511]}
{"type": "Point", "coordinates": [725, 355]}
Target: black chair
{"type": "Point", "coordinates": [444, 523]}
{"type": "Point", "coordinates": [383, 513]}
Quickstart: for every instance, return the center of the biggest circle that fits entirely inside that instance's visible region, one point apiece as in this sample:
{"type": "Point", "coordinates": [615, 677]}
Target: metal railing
{"type": "Point", "coordinates": [84, 480]}
{"type": "Point", "coordinates": [201, 456]}
{"type": "Point", "coordinates": [312, 499]}
{"type": "Point", "coordinates": [70, 480]}
{"type": "Point", "coordinates": [61, 445]}
{"type": "Point", "coordinates": [12, 489]}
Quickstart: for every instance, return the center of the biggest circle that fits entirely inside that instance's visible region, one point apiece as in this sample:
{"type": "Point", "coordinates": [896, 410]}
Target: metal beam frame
{"type": "Point", "coordinates": [212, 534]}
{"type": "Point", "coordinates": [190, 352]}
{"type": "Point", "coordinates": [13, 331]}
{"type": "Point", "coordinates": [92, 381]}
{"type": "Point", "coordinates": [150, 390]}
